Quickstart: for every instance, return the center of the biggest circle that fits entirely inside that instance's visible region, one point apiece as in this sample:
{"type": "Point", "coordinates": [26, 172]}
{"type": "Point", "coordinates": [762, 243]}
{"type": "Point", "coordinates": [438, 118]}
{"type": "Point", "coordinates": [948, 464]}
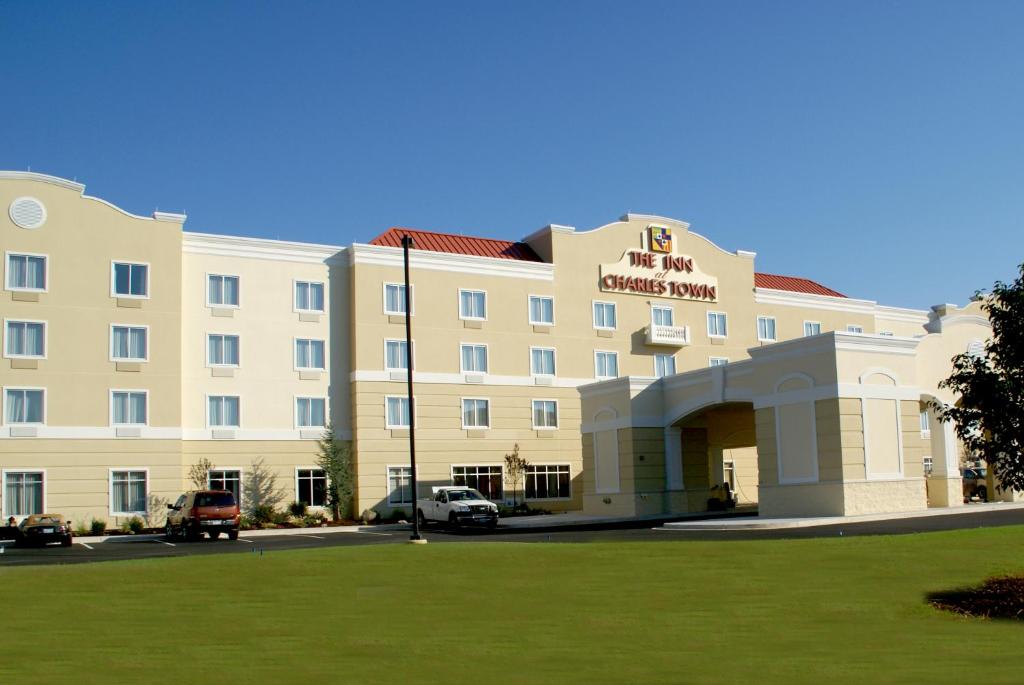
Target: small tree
{"type": "Point", "coordinates": [260, 489]}
{"type": "Point", "coordinates": [335, 458]}
{"type": "Point", "coordinates": [989, 418]}
{"type": "Point", "coordinates": [199, 473]}
{"type": "Point", "coordinates": [515, 471]}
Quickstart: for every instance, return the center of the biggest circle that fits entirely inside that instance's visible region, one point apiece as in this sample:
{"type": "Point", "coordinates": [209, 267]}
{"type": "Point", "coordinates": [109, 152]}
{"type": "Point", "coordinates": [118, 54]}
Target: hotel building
{"type": "Point", "coordinates": [635, 365]}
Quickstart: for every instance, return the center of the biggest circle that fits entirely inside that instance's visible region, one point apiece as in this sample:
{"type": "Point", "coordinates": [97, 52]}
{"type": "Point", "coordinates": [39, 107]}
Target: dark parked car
{"type": "Point", "coordinates": [203, 511]}
{"type": "Point", "coordinates": [975, 484]}
{"type": "Point", "coordinates": [43, 529]}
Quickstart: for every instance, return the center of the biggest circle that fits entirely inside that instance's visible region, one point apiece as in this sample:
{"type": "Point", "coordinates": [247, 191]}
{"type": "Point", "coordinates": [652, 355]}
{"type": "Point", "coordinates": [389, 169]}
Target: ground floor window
{"type": "Point", "coordinates": [23, 493]}
{"type": "Point", "coordinates": [548, 481]}
{"type": "Point", "coordinates": [928, 465]}
{"type": "Point", "coordinates": [227, 479]}
{"type": "Point", "coordinates": [399, 485]}
{"type": "Point", "coordinates": [312, 487]}
{"type": "Point", "coordinates": [486, 479]}
{"type": "Point", "coordinates": [127, 492]}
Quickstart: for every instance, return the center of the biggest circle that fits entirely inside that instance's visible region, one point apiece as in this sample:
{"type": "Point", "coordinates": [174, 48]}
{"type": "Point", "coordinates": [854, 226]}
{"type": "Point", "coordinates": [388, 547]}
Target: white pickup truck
{"type": "Point", "coordinates": [457, 506]}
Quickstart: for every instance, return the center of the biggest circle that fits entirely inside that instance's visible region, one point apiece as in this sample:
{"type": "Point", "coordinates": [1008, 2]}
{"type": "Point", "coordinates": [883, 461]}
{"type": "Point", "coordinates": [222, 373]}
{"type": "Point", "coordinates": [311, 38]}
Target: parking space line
{"type": "Point", "coordinates": [366, 532]}
{"type": "Point", "coordinates": [86, 545]}
{"type": "Point", "coordinates": [318, 537]}
{"type": "Point", "coordinates": [164, 542]}
{"type": "Point", "coordinates": [246, 540]}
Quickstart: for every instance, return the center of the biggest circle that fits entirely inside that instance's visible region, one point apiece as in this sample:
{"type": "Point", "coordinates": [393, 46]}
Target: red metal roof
{"type": "Point", "coordinates": [458, 244]}
{"type": "Point", "coordinates": [793, 284]}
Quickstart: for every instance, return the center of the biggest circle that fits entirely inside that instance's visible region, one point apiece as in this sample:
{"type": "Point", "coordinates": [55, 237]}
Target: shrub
{"type": "Point", "coordinates": [263, 513]}
{"type": "Point", "coordinates": [298, 509]}
{"type": "Point", "coordinates": [97, 527]}
{"type": "Point", "coordinates": [314, 518]}
{"type": "Point", "coordinates": [281, 518]}
{"type": "Point", "coordinates": [133, 525]}
{"type": "Point", "coordinates": [398, 515]}
{"type": "Point", "coordinates": [81, 529]}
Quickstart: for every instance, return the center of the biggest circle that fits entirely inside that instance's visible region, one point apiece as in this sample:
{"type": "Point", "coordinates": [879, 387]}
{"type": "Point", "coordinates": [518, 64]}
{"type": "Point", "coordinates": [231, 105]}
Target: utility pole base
{"type": "Point", "coordinates": [417, 541]}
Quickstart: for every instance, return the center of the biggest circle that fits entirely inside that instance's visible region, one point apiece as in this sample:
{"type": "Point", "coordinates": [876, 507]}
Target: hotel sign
{"type": "Point", "coordinates": [658, 271]}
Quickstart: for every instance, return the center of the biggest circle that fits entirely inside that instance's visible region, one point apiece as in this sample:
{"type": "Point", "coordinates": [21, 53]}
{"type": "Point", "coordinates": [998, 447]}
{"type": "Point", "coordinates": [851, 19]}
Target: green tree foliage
{"type": "Point", "coordinates": [989, 418]}
{"type": "Point", "coordinates": [199, 473]}
{"type": "Point", "coordinates": [335, 458]}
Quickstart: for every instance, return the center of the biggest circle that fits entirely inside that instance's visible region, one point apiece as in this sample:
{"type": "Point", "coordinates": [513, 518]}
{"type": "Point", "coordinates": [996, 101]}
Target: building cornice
{"type": "Point", "coordinates": [42, 178]}
{"type": "Point", "coordinates": [380, 255]}
{"type": "Point", "coordinates": [902, 315]}
{"type": "Point", "coordinates": [258, 248]}
{"type": "Point", "coordinates": [788, 298]}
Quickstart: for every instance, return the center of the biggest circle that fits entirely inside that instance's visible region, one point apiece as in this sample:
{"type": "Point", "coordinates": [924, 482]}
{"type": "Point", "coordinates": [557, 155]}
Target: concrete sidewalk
{"type": "Point", "coordinates": [248, 534]}
{"type": "Point", "coordinates": [756, 523]}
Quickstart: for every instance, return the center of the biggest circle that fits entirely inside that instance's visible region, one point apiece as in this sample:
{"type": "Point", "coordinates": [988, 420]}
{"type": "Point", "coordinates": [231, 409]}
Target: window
{"type": "Point", "coordinates": [127, 492]}
{"type": "Point", "coordinates": [718, 361]}
{"type": "Point", "coordinates": [729, 473]}
{"type": "Point", "coordinates": [926, 429]}
{"type": "Point", "coordinates": [23, 493]}
{"type": "Point", "coordinates": [224, 411]}
{"type": "Point", "coordinates": [309, 354]}
{"type": "Point", "coordinates": [542, 310]}
{"type": "Point", "coordinates": [309, 296]}
{"type": "Point", "coordinates": [400, 485]}
{"type": "Point", "coordinates": [130, 280]}
{"type": "Point", "coordinates": [661, 316]}
{"type": "Point", "coordinates": [664, 365]}
{"type": "Point", "coordinates": [716, 325]}
{"type": "Point", "coordinates": [222, 349]}
{"type": "Point", "coordinates": [928, 465]}
{"type": "Point", "coordinates": [548, 481]}
{"type": "Point", "coordinates": [26, 272]}
{"type": "Point", "coordinates": [311, 487]}
{"type": "Point", "coordinates": [128, 407]}
{"type": "Point", "coordinates": [472, 304]}
{"type": "Point", "coordinates": [545, 414]}
{"type": "Point", "coordinates": [226, 479]}
{"type": "Point", "coordinates": [395, 355]}
{"type": "Point", "coordinates": [474, 358]}
{"type": "Point", "coordinates": [397, 412]}
{"type": "Point", "coordinates": [395, 301]}
{"type": "Point", "coordinates": [128, 343]}
{"type": "Point", "coordinates": [766, 328]}
{"type": "Point", "coordinates": [606, 364]}
{"type": "Point", "coordinates": [476, 413]}
{"type": "Point", "coordinates": [25, 339]}
{"type": "Point", "coordinates": [222, 291]}
{"type": "Point", "coordinates": [812, 328]}
{"type": "Point", "coordinates": [310, 412]}
{"type": "Point", "coordinates": [486, 479]}
{"type": "Point", "coordinates": [23, 405]}
{"type": "Point", "coordinates": [542, 361]}
{"type": "Point", "coordinates": [854, 329]}
{"type": "Point", "coordinates": [604, 315]}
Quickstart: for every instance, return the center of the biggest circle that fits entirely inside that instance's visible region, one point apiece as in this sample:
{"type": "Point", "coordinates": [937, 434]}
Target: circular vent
{"type": "Point", "coordinates": [976, 349]}
{"type": "Point", "coordinates": [28, 212]}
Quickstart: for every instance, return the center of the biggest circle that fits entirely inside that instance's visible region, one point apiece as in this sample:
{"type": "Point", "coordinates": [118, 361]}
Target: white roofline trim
{"type": "Point", "coordinates": [789, 298]}
{"type": "Point", "coordinates": [258, 248]}
{"type": "Point", "coordinates": [382, 255]}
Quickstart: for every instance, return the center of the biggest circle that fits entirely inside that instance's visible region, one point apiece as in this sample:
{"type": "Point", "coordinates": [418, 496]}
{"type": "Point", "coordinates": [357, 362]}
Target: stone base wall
{"type": "Point", "coordinates": [884, 496]}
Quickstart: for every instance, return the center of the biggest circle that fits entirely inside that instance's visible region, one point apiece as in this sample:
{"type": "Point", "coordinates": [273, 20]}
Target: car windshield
{"type": "Point", "coordinates": [215, 499]}
{"type": "Point", "coordinates": [42, 520]}
{"type": "Point", "coordinates": [469, 493]}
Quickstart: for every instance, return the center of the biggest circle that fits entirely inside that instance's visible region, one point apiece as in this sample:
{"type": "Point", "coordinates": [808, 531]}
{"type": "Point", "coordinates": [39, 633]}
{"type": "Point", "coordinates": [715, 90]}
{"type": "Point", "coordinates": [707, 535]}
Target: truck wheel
{"type": "Point", "coordinates": [232, 535]}
{"type": "Point", "coordinates": [452, 521]}
{"type": "Point", "coordinates": [983, 493]}
{"type": "Point", "coordinates": [421, 519]}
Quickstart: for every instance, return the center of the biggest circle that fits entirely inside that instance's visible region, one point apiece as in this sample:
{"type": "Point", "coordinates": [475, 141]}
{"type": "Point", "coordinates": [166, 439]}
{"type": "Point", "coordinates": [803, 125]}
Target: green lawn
{"type": "Point", "coordinates": [844, 610]}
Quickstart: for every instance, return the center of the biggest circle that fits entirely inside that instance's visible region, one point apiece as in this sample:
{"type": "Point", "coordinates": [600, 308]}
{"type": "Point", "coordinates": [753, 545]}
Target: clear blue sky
{"type": "Point", "coordinates": [874, 146]}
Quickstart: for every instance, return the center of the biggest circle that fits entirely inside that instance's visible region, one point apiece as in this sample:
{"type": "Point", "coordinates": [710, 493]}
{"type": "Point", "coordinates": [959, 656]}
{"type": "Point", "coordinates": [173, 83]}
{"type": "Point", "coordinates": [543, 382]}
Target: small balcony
{"type": "Point", "coordinates": [672, 336]}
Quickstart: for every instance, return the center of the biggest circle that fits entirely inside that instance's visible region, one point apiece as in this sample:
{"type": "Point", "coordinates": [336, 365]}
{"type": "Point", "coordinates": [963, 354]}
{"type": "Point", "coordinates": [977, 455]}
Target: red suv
{"type": "Point", "coordinates": [203, 511]}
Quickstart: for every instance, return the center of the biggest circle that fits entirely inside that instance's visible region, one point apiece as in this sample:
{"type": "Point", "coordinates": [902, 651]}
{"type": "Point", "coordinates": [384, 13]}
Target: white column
{"type": "Point", "coordinates": [673, 458]}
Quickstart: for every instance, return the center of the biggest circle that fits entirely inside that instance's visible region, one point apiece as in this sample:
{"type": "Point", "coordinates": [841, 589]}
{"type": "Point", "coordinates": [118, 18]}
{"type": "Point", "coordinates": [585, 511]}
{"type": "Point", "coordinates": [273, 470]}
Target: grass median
{"type": "Point", "coordinates": [841, 610]}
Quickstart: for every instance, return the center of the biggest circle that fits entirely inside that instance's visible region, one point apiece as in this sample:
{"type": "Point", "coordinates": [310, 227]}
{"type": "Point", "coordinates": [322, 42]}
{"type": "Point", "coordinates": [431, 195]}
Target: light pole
{"type": "Point", "coordinates": [406, 245]}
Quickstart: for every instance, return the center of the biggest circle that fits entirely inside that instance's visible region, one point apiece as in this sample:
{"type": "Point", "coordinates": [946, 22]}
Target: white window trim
{"type": "Point", "coordinates": [487, 306]}
{"type": "Point", "coordinates": [667, 307]}
{"type": "Point", "coordinates": [533, 414]}
{"type": "Point", "coordinates": [654, 360]}
{"type": "Point", "coordinates": [110, 345]}
{"type": "Point", "coordinates": [211, 305]}
{"type": "Point", "coordinates": [554, 357]}
{"type": "Point", "coordinates": [206, 350]}
{"type": "Point", "coordinates": [387, 485]}
{"type": "Point", "coordinates": [606, 378]}
{"type": "Point", "coordinates": [295, 291]}
{"type": "Point", "coordinates": [295, 411]}
{"type": "Point", "coordinates": [714, 359]}
{"type": "Point", "coordinates": [412, 408]}
{"type": "Point", "coordinates": [110, 490]}
{"type": "Point", "coordinates": [529, 310]}
{"type": "Point", "coordinates": [111, 406]}
{"type": "Point", "coordinates": [725, 319]}
{"type": "Point", "coordinates": [210, 426]}
{"type": "Point", "coordinates": [295, 355]}
{"type": "Point", "coordinates": [23, 387]}
{"type": "Point", "coordinates": [241, 478]}
{"type": "Point", "coordinates": [113, 279]}
{"type": "Point", "coordinates": [549, 499]}
{"type": "Point", "coordinates": [593, 318]}
{"type": "Point", "coordinates": [775, 326]}
{"type": "Point", "coordinates": [926, 433]}
{"type": "Point", "coordinates": [3, 477]}
{"type": "Point", "coordinates": [462, 413]}
{"type": "Point", "coordinates": [46, 339]}
{"type": "Point", "coordinates": [817, 323]}
{"type": "Point", "coordinates": [410, 299]}
{"type": "Point", "coordinates": [477, 465]}
{"type": "Point", "coordinates": [487, 352]}
{"type": "Point", "coordinates": [314, 507]}
{"type": "Point", "coordinates": [412, 344]}
{"type": "Point", "coordinates": [850, 326]}
{"type": "Point", "coordinates": [46, 271]}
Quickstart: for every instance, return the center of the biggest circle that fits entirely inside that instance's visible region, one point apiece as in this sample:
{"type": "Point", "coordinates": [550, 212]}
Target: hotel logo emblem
{"type": "Point", "coordinates": [661, 239]}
